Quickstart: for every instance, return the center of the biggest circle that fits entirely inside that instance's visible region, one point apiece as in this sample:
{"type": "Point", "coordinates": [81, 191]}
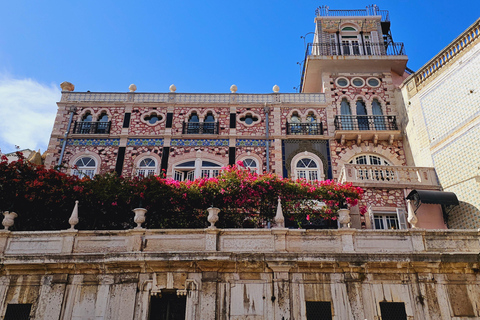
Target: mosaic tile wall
{"type": "Point", "coordinates": [450, 103]}
{"type": "Point", "coordinates": [457, 164]}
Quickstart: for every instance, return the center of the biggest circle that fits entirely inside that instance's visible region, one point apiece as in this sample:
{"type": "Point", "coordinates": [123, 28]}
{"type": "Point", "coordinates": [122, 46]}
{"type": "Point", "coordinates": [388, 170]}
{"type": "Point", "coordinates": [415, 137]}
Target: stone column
{"type": "Point", "coordinates": [281, 289]}
{"type": "Point", "coordinates": [208, 295]}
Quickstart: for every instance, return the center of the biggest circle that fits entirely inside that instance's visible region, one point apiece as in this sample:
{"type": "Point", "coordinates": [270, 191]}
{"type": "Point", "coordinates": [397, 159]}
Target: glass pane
{"type": "Point", "coordinates": [187, 164]}
{"type": "Point", "coordinates": [209, 164]}
{"type": "Point", "coordinates": [103, 118]}
{"type": "Point", "coordinates": [379, 222]}
{"type": "Point", "coordinates": [392, 222]}
{"type": "Point", "coordinates": [178, 175]}
{"type": "Point", "coordinates": [190, 175]}
{"type": "Point", "coordinates": [209, 118]}
{"type": "Point", "coordinates": [193, 118]}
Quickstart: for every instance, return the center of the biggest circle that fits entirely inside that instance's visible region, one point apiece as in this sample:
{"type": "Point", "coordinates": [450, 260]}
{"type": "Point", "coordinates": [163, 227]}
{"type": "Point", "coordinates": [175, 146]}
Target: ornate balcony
{"type": "Point", "coordinates": [200, 128]}
{"type": "Point", "coordinates": [308, 128]}
{"type": "Point", "coordinates": [356, 49]}
{"type": "Point", "coordinates": [362, 128]}
{"type": "Point", "coordinates": [389, 176]}
{"type": "Point", "coordinates": [92, 127]}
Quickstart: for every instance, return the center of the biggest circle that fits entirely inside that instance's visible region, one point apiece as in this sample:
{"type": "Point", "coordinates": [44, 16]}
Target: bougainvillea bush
{"type": "Point", "coordinates": [44, 199]}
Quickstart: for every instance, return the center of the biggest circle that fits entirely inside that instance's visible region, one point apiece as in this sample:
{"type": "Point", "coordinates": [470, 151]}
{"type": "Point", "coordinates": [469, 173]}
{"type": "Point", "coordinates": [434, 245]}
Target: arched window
{"type": "Point", "coordinates": [346, 119]}
{"type": "Point", "coordinates": [251, 164]}
{"type": "Point", "coordinates": [194, 117]}
{"type": "Point", "coordinates": [102, 124]}
{"type": "Point", "coordinates": [190, 170]}
{"type": "Point", "coordinates": [193, 125]}
{"type": "Point", "coordinates": [311, 117]}
{"type": "Point", "coordinates": [146, 167]}
{"type": "Point", "coordinates": [376, 173]}
{"type": "Point", "coordinates": [307, 168]}
{"type": "Point", "coordinates": [349, 37]}
{"type": "Point", "coordinates": [362, 117]}
{"type": "Point", "coordinates": [378, 118]}
{"type": "Point", "coordinates": [86, 124]}
{"type": "Point", "coordinates": [209, 124]}
{"type": "Point", "coordinates": [85, 167]}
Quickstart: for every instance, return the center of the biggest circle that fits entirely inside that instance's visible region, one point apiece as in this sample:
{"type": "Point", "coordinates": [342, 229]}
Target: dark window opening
{"type": "Point", "coordinates": [153, 118]}
{"type": "Point", "coordinates": [393, 311]}
{"type": "Point", "coordinates": [249, 119]}
{"type": "Point", "coordinates": [319, 310]}
{"type": "Point", "coordinates": [18, 311]}
{"type": "Point", "coordinates": [168, 306]}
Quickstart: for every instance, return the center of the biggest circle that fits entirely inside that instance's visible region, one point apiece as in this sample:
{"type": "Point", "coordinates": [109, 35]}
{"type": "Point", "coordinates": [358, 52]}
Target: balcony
{"type": "Point", "coordinates": [356, 49]}
{"type": "Point", "coordinates": [389, 176]}
{"type": "Point", "coordinates": [363, 128]}
{"type": "Point", "coordinates": [304, 129]}
{"type": "Point", "coordinates": [372, 10]}
{"type": "Point", "coordinates": [94, 127]}
{"type": "Point", "coordinates": [200, 128]}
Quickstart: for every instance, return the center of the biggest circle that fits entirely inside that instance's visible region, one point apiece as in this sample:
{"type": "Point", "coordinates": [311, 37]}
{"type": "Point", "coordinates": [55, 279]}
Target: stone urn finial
{"type": "Point", "coordinates": [172, 88]}
{"type": "Point", "coordinates": [132, 88]}
{"type": "Point", "coordinates": [139, 217]}
{"type": "Point", "coordinates": [74, 217]}
{"type": "Point", "coordinates": [344, 217]}
{"type": "Point", "coordinates": [212, 216]}
{"type": "Point", "coordinates": [279, 218]}
{"type": "Point", "coordinates": [67, 86]}
{"type": "Point", "coordinates": [8, 219]}
{"type": "Point", "coordinates": [233, 88]}
{"type": "Point", "coordinates": [276, 88]}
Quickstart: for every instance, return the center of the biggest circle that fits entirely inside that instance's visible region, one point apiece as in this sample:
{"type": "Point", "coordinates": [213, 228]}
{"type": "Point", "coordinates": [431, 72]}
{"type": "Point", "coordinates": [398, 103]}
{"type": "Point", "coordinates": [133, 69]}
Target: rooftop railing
{"type": "Point", "coordinates": [373, 10]}
{"type": "Point", "coordinates": [366, 123]}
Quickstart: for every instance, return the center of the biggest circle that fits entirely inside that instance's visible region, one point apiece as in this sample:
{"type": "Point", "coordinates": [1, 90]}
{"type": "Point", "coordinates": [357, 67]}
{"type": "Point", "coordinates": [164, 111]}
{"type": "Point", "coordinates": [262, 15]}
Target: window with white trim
{"type": "Point", "coordinates": [85, 167]}
{"type": "Point", "coordinates": [307, 168]}
{"type": "Point", "coordinates": [191, 170]}
{"type": "Point", "coordinates": [146, 167]}
{"type": "Point", "coordinates": [388, 220]}
{"type": "Point", "coordinates": [251, 164]}
{"type": "Point", "coordinates": [373, 173]}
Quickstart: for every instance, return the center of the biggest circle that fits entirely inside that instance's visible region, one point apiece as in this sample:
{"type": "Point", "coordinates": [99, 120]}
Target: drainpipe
{"type": "Point", "coordinates": [266, 109]}
{"type": "Point", "coordinates": [72, 111]}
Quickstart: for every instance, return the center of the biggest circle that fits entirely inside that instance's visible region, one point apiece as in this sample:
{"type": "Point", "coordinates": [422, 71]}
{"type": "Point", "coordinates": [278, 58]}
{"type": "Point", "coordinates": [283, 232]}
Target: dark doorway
{"type": "Point", "coordinates": [168, 306]}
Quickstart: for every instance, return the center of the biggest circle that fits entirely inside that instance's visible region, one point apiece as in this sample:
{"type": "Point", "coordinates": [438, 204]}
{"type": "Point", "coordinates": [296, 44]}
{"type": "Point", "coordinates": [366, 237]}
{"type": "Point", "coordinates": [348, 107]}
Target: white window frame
{"type": "Point", "coordinates": [183, 173]}
{"type": "Point", "coordinates": [307, 173]}
{"type": "Point", "coordinates": [386, 216]}
{"type": "Point", "coordinates": [85, 171]}
{"type": "Point", "coordinates": [145, 171]}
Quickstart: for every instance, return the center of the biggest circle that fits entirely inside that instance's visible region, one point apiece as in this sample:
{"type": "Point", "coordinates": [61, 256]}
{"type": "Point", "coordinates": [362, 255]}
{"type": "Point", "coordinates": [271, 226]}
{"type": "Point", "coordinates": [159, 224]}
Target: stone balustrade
{"type": "Point", "coordinates": [446, 56]}
{"type": "Point", "coordinates": [193, 97]}
{"type": "Point", "coordinates": [41, 244]}
{"type": "Point", "coordinates": [389, 176]}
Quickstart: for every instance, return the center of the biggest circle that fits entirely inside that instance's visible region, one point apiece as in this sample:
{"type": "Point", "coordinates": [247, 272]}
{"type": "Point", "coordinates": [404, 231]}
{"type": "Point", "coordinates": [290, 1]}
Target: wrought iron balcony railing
{"type": "Point", "coordinates": [372, 10]}
{"type": "Point", "coordinates": [305, 128]}
{"type": "Point", "coordinates": [200, 128]}
{"type": "Point", "coordinates": [354, 48]}
{"type": "Point", "coordinates": [374, 123]}
{"type": "Point", "coordinates": [92, 127]}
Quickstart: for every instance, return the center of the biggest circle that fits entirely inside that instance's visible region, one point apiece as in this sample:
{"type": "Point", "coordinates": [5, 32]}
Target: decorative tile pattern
{"type": "Point", "coordinates": [145, 142]}
{"type": "Point", "coordinates": [199, 143]}
{"type": "Point", "coordinates": [252, 143]}
{"type": "Point", "coordinates": [450, 102]}
{"type": "Point", "coordinates": [92, 142]}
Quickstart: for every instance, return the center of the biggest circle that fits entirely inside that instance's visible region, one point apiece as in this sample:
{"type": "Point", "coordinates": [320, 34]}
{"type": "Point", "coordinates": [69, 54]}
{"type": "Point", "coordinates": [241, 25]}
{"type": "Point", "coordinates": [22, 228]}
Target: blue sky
{"type": "Point", "coordinates": [198, 46]}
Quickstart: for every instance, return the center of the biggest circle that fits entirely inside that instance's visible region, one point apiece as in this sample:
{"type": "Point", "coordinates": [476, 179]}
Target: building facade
{"type": "Point", "coordinates": [442, 107]}
{"type": "Point", "coordinates": [342, 125]}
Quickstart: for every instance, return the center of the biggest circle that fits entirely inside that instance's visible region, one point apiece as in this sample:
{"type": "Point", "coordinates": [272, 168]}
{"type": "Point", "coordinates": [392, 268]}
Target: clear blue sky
{"type": "Point", "coordinates": [200, 46]}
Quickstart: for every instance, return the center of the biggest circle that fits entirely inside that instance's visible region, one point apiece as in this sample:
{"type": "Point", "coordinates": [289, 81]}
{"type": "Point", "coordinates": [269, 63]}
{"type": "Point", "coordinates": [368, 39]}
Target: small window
{"type": "Point", "coordinates": [342, 82]}
{"type": "Point", "coordinates": [295, 118]}
{"type": "Point", "coordinates": [319, 310]}
{"type": "Point", "coordinates": [103, 117]}
{"type": "Point", "coordinates": [194, 118]}
{"type": "Point", "coordinates": [349, 29]}
{"type": "Point", "coordinates": [146, 167]}
{"type": "Point", "coordinates": [85, 167]}
{"type": "Point", "coordinates": [20, 311]}
{"type": "Point", "coordinates": [205, 169]}
{"type": "Point", "coordinates": [358, 82]}
{"type": "Point", "coordinates": [373, 82]}
{"type": "Point", "coordinates": [393, 311]}
{"type": "Point", "coordinates": [249, 119]}
{"type": "Point", "coordinates": [87, 117]}
{"type": "Point", "coordinates": [311, 117]}
{"type": "Point", "coordinates": [388, 220]}
{"type": "Point", "coordinates": [209, 118]}
{"type": "Point", "coordinates": [153, 118]}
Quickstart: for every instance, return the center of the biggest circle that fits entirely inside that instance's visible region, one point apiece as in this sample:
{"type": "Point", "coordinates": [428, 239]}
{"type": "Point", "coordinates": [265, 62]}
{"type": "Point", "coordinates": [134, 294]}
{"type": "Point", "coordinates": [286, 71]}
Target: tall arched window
{"type": "Point", "coordinates": [307, 168]}
{"type": "Point", "coordinates": [85, 167]}
{"type": "Point", "coordinates": [350, 41]}
{"type": "Point", "coordinates": [362, 117]}
{"type": "Point", "coordinates": [193, 125]}
{"type": "Point", "coordinates": [146, 167]}
{"type": "Point", "coordinates": [102, 124]}
{"type": "Point", "coordinates": [378, 119]}
{"type": "Point", "coordinates": [86, 124]}
{"type": "Point", "coordinates": [209, 124]}
{"type": "Point", "coordinates": [346, 120]}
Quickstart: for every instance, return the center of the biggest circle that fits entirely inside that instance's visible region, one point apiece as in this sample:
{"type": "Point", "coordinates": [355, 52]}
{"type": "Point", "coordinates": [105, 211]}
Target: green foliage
{"type": "Point", "coordinates": [44, 199]}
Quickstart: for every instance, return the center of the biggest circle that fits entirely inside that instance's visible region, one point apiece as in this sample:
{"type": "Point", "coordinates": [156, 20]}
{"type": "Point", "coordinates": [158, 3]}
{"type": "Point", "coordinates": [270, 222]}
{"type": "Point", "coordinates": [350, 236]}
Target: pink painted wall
{"type": "Point", "coordinates": [430, 217]}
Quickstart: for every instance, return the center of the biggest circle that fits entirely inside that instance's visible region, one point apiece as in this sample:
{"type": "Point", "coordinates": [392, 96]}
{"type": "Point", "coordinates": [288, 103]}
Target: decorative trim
{"type": "Point", "coordinates": [144, 142]}
{"type": "Point", "coordinates": [199, 143]}
{"type": "Point", "coordinates": [150, 113]}
{"type": "Point", "coordinates": [92, 142]}
{"type": "Point", "coordinates": [253, 114]}
{"type": "Point", "coordinates": [252, 143]}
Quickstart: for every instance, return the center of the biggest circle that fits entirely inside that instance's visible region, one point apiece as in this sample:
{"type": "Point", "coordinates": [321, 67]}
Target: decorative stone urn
{"type": "Point", "coordinates": [344, 217]}
{"type": "Point", "coordinates": [139, 217]}
{"type": "Point", "coordinates": [8, 219]}
{"type": "Point", "coordinates": [212, 216]}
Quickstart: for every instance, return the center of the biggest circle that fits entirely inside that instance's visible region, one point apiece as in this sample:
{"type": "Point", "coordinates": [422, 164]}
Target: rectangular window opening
{"type": "Point", "coordinates": [20, 311]}
{"type": "Point", "coordinates": [319, 310]}
{"type": "Point", "coordinates": [168, 306]}
{"type": "Point", "coordinates": [393, 311]}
